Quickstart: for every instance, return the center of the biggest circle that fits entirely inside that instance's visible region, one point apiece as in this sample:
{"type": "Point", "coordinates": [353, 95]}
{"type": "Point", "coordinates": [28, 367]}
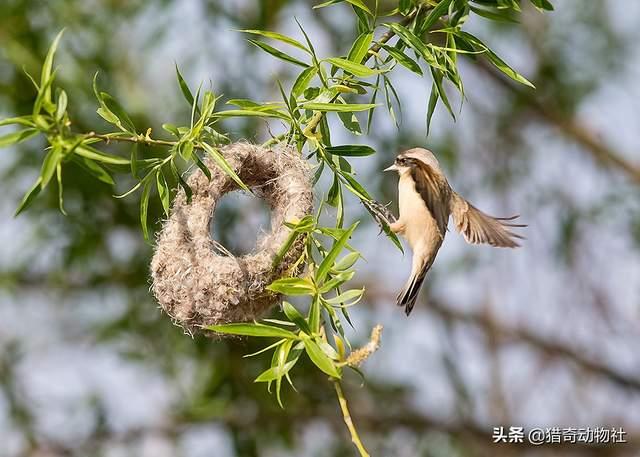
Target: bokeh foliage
{"type": "Point", "coordinates": [225, 381]}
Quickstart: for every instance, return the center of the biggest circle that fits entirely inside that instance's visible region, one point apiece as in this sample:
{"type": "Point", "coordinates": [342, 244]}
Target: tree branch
{"type": "Point", "coordinates": [570, 127]}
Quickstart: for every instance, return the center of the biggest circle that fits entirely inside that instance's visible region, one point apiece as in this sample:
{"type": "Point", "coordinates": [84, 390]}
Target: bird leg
{"type": "Point", "coordinates": [397, 227]}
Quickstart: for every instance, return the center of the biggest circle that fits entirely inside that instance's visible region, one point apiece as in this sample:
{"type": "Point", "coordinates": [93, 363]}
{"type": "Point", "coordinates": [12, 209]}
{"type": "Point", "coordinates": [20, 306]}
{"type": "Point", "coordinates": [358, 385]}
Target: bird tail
{"type": "Point", "coordinates": [409, 294]}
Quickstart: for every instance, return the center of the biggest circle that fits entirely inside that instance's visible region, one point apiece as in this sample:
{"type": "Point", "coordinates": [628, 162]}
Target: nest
{"type": "Point", "coordinates": [198, 282]}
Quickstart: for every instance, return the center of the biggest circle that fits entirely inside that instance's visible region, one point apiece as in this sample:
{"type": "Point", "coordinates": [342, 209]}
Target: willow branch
{"type": "Point", "coordinates": [344, 407]}
{"type": "Point", "coordinates": [570, 127]}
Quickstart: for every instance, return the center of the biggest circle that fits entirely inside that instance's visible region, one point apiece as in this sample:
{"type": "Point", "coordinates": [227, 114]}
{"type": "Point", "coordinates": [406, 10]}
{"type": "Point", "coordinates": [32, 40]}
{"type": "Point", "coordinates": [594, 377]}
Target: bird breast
{"type": "Point", "coordinates": [420, 225]}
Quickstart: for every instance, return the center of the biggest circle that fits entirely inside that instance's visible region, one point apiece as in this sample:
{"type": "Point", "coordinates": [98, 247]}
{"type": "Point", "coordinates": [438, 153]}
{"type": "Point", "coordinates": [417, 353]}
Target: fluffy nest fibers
{"type": "Point", "coordinates": [198, 282]}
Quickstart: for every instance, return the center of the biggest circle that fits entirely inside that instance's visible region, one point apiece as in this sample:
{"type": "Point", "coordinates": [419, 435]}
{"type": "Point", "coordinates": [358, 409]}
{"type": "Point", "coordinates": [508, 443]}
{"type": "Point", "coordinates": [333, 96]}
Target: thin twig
{"type": "Point", "coordinates": [344, 407]}
{"type": "Point", "coordinates": [131, 139]}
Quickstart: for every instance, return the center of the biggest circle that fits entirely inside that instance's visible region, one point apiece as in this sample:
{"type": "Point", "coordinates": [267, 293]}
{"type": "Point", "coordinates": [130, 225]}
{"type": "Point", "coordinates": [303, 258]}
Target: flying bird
{"type": "Point", "coordinates": [425, 202]}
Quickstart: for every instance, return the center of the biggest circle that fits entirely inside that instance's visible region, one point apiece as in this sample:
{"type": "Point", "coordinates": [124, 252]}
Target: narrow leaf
{"type": "Point", "coordinates": [495, 60]}
{"type": "Point", "coordinates": [47, 67]}
{"type": "Point", "coordinates": [144, 208]}
{"type": "Point", "coordinates": [320, 359]}
{"type": "Point", "coordinates": [252, 329]}
{"type": "Point", "coordinates": [163, 191]}
{"type": "Point", "coordinates": [279, 37]}
{"type": "Point", "coordinates": [17, 137]}
{"type": "Point", "coordinates": [331, 257]}
{"type": "Point", "coordinates": [224, 165]}
{"type": "Point", "coordinates": [360, 47]}
{"type": "Point", "coordinates": [29, 197]}
{"type": "Point", "coordinates": [403, 59]}
{"type": "Point", "coordinates": [351, 150]}
{"type": "Point", "coordinates": [303, 81]}
{"type": "Point", "coordinates": [356, 69]}
{"type": "Point", "coordinates": [340, 107]}
{"type": "Point", "coordinates": [277, 53]}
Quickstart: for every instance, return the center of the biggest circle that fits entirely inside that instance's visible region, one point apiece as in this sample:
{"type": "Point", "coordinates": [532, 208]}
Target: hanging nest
{"type": "Point", "coordinates": [198, 282]}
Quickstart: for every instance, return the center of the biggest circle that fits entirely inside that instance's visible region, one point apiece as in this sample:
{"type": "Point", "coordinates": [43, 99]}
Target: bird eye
{"type": "Point", "coordinates": [401, 161]}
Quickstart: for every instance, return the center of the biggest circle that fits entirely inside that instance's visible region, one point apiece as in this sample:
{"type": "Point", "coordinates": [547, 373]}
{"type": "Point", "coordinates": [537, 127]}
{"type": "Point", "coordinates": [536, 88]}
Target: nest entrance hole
{"type": "Point", "coordinates": [241, 220]}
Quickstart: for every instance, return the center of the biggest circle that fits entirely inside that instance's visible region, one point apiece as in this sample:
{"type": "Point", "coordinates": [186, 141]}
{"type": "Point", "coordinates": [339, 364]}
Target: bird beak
{"type": "Point", "coordinates": [391, 168]}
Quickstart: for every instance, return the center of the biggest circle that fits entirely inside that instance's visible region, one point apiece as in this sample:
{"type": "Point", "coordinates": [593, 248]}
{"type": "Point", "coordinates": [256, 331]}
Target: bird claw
{"type": "Point", "coordinates": [380, 214]}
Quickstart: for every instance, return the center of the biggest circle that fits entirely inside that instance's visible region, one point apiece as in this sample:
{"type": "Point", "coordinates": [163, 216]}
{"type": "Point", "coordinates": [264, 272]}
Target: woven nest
{"type": "Point", "coordinates": [198, 282]}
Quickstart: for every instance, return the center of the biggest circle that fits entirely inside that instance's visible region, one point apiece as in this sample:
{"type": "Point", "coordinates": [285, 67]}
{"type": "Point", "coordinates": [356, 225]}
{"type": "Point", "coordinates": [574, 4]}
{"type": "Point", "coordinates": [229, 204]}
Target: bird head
{"type": "Point", "coordinates": [406, 160]}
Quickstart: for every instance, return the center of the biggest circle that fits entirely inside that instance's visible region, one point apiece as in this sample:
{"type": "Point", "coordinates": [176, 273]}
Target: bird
{"type": "Point", "coordinates": [425, 203]}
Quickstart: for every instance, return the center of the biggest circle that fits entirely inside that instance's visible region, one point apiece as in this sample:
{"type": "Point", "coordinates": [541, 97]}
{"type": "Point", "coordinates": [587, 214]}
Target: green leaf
{"type": "Point", "coordinates": [17, 137]}
{"type": "Point", "coordinates": [437, 82]}
{"type": "Point", "coordinates": [184, 88]}
{"type": "Point", "coordinates": [60, 188]}
{"type": "Point", "coordinates": [305, 225]}
{"type": "Point", "coordinates": [320, 359]}
{"type": "Point", "coordinates": [292, 286]}
{"type": "Point", "coordinates": [144, 208]}
{"type": "Point", "coordinates": [543, 4]}
{"type": "Point", "coordinates": [350, 122]}
{"type": "Point", "coordinates": [360, 4]}
{"type": "Point", "coordinates": [356, 69]}
{"type": "Point", "coordinates": [94, 169]}
{"type": "Point", "coordinates": [202, 166]}
{"type": "Point", "coordinates": [27, 121]}
{"type": "Point", "coordinates": [355, 187]}
{"type": "Point", "coordinates": [433, 101]}
{"type": "Point", "coordinates": [347, 261]}
{"type": "Point", "coordinates": [41, 99]}
{"type": "Point", "coordinates": [94, 154]}
{"type": "Point", "coordinates": [253, 329]}
{"type": "Point", "coordinates": [62, 105]}
{"type": "Point", "coordinates": [414, 42]}
{"type": "Point", "coordinates": [435, 14]}
{"type": "Point", "coordinates": [328, 350]}
{"type": "Point", "coordinates": [224, 165]}
{"type": "Point", "coordinates": [134, 161]}
{"type": "Point", "coordinates": [293, 236]}
{"type": "Point", "coordinates": [351, 150]}
{"type": "Point", "coordinates": [337, 281]}
{"type": "Point", "coordinates": [51, 161]}
{"type": "Point", "coordinates": [303, 81]}
{"type": "Point", "coordinates": [499, 16]}
{"type": "Point", "coordinates": [346, 296]}
{"type": "Point", "coordinates": [46, 75]}
{"type": "Point", "coordinates": [331, 257]}
{"type": "Point", "coordinates": [340, 107]}
{"type": "Point", "coordinates": [294, 316]}
{"type": "Point", "coordinates": [114, 107]}
{"type": "Point", "coordinates": [186, 150]}
{"type": "Point", "coordinates": [185, 186]}
{"type": "Point", "coordinates": [172, 129]}
{"type": "Point", "coordinates": [252, 113]}
{"type": "Point", "coordinates": [495, 60]}
{"type": "Point", "coordinates": [163, 191]}
{"type": "Point", "coordinates": [360, 47]}
{"type": "Point", "coordinates": [403, 59]}
{"type": "Point", "coordinates": [277, 53]}
{"type": "Point", "coordinates": [104, 112]}
{"type": "Point", "coordinates": [265, 349]}
{"type": "Point", "coordinates": [279, 37]}
{"type": "Point", "coordinates": [29, 197]}
{"type": "Point", "coordinates": [254, 106]}
{"type": "Point", "coordinates": [276, 372]}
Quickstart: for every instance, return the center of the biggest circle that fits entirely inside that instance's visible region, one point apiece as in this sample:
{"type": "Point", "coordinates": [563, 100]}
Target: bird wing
{"type": "Point", "coordinates": [478, 227]}
{"type": "Point", "coordinates": [434, 192]}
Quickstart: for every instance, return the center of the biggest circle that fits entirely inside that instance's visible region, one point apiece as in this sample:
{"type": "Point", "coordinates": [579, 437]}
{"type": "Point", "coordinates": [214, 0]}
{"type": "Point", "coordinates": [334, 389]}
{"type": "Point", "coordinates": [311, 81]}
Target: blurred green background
{"type": "Point", "coordinates": [545, 336]}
